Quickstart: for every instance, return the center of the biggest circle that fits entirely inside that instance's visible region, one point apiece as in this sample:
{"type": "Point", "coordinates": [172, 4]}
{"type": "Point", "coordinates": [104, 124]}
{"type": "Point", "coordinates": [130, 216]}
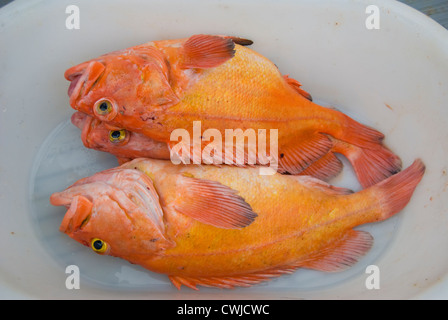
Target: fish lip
{"type": "Point", "coordinates": [78, 119]}
{"type": "Point", "coordinates": [85, 123]}
{"type": "Point", "coordinates": [78, 214]}
{"type": "Point", "coordinates": [83, 76]}
{"type": "Point", "coordinates": [76, 75]}
{"type": "Point", "coordinates": [76, 91]}
{"type": "Point", "coordinates": [73, 84]}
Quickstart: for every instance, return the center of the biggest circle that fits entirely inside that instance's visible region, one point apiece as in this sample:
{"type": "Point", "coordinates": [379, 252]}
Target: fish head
{"type": "Point", "coordinates": [122, 87]}
{"type": "Point", "coordinates": [115, 212]}
{"type": "Point", "coordinates": [122, 143]}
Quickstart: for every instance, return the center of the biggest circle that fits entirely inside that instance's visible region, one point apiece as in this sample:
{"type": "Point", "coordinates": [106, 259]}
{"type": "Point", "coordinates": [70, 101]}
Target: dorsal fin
{"type": "Point", "coordinates": [296, 85]}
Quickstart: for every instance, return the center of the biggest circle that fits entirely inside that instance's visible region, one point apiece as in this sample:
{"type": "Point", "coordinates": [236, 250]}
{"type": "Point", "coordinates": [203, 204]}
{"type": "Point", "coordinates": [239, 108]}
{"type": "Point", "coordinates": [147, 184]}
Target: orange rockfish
{"type": "Point", "coordinates": [127, 145]}
{"type": "Point", "coordinates": [158, 87]}
{"type": "Point", "coordinates": [226, 226]}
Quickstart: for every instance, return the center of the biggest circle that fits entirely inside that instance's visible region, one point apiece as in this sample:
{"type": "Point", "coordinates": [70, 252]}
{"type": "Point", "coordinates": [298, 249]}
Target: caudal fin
{"type": "Point", "coordinates": [370, 165]}
{"type": "Point", "coordinates": [396, 191]}
{"type": "Point", "coordinates": [363, 147]}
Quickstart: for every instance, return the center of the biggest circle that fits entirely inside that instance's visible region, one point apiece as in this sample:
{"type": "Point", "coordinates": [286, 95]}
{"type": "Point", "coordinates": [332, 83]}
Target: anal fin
{"type": "Point", "coordinates": [295, 158]}
{"type": "Point", "coordinates": [232, 281]}
{"type": "Point", "coordinates": [325, 168]}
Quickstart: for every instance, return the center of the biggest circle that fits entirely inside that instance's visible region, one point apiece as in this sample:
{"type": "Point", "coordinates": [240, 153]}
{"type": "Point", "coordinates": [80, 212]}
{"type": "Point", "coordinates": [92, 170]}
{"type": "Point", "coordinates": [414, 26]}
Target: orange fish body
{"type": "Point", "coordinates": [161, 86]}
{"type": "Point", "coordinates": [226, 226]}
{"type": "Point", "coordinates": [127, 145]}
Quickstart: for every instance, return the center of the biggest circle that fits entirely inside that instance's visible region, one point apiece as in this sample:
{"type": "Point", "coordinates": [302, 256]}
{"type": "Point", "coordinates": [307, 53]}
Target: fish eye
{"type": "Point", "coordinates": [117, 135]}
{"type": "Point", "coordinates": [98, 245]}
{"type": "Point", "coordinates": [103, 107]}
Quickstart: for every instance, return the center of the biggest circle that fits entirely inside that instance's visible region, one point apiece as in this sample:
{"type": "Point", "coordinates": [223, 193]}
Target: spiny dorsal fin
{"type": "Point", "coordinates": [296, 85]}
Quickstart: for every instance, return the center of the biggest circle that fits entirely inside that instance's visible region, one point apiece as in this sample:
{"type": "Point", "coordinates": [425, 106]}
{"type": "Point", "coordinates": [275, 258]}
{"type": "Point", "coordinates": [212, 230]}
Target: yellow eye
{"type": "Point", "coordinates": [98, 245]}
{"type": "Point", "coordinates": [103, 107]}
{"type": "Point", "coordinates": [117, 135]}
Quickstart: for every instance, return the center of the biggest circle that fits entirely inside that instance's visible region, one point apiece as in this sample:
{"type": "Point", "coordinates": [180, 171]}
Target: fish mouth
{"type": "Point", "coordinates": [73, 84]}
{"type": "Point", "coordinates": [79, 119]}
{"type": "Point", "coordinates": [85, 123]}
{"type": "Point", "coordinates": [79, 210]}
{"type": "Point", "coordinates": [82, 78]}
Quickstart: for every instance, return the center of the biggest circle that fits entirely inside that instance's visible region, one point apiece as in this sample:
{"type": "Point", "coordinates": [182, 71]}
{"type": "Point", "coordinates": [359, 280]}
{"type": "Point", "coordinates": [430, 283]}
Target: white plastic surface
{"type": "Point", "coordinates": [394, 78]}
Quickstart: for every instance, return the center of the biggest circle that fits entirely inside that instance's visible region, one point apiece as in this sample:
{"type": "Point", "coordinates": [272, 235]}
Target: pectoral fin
{"type": "Point", "coordinates": [206, 51]}
{"type": "Point", "coordinates": [213, 203]}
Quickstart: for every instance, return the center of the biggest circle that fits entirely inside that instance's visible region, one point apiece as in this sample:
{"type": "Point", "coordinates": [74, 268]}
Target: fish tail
{"type": "Point", "coordinates": [373, 204]}
{"type": "Point", "coordinates": [394, 193]}
{"type": "Point", "coordinates": [370, 165]}
{"type": "Point", "coordinates": [363, 147]}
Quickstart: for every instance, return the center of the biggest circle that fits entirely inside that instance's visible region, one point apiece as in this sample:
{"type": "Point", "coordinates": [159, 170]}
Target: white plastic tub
{"type": "Point", "coordinates": [394, 78]}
